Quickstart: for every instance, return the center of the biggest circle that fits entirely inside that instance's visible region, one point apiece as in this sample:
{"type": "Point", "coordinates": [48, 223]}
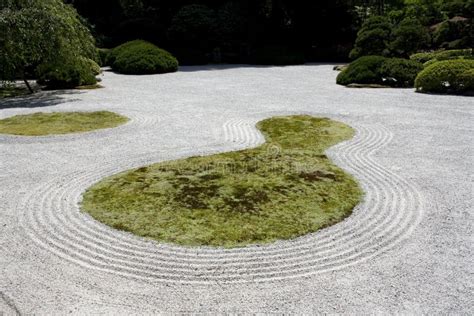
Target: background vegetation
{"type": "Point", "coordinates": [201, 31]}
{"type": "Point", "coordinates": [54, 41]}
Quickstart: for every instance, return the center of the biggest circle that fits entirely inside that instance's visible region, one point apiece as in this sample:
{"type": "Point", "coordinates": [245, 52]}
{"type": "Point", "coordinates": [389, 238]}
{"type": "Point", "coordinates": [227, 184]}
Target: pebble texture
{"type": "Point", "coordinates": [406, 249]}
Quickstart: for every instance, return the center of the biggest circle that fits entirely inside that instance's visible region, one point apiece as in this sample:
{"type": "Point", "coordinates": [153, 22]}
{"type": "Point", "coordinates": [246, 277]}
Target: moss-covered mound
{"type": "Point", "coordinates": [280, 190]}
{"type": "Point", "coordinates": [38, 124]}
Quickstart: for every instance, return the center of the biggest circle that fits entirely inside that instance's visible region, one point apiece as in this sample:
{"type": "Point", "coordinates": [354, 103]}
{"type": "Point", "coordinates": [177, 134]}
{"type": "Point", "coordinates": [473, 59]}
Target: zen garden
{"type": "Point", "coordinates": [236, 157]}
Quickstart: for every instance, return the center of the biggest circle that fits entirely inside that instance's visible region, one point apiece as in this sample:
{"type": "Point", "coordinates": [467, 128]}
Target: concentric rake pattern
{"type": "Point", "coordinates": [392, 207]}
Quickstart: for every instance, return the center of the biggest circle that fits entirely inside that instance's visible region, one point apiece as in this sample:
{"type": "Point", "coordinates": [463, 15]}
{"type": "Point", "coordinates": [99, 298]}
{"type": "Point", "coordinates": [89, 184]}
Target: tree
{"type": "Point", "coordinates": [373, 38]}
{"type": "Point", "coordinates": [34, 32]}
{"type": "Point", "coordinates": [409, 37]}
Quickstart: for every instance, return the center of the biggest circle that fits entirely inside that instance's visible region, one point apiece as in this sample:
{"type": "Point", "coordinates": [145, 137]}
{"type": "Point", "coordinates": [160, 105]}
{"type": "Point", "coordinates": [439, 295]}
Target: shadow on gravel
{"type": "Point", "coordinates": [39, 99]}
{"type": "Point", "coordinates": [234, 66]}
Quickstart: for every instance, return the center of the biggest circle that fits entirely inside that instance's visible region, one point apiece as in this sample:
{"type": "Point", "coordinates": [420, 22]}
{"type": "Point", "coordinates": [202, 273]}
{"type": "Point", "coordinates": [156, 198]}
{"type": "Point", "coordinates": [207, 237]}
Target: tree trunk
{"type": "Point", "coordinates": [27, 84]}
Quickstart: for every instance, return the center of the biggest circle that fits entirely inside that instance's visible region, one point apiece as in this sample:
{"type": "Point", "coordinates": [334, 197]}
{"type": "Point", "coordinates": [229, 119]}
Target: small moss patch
{"type": "Point", "coordinates": [38, 124]}
{"type": "Point", "coordinates": [280, 190]}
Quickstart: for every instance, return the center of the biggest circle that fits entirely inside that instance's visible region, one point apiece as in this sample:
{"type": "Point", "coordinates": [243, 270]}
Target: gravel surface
{"type": "Point", "coordinates": [406, 249]}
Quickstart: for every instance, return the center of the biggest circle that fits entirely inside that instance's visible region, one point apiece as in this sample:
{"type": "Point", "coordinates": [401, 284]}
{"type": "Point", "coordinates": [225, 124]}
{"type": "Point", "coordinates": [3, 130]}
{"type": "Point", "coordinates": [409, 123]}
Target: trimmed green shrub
{"type": "Point", "coordinates": [140, 57]}
{"type": "Point", "coordinates": [113, 53]}
{"type": "Point", "coordinates": [363, 70]}
{"type": "Point", "coordinates": [94, 67]}
{"type": "Point", "coordinates": [423, 57]}
{"type": "Point", "coordinates": [455, 54]}
{"type": "Point", "coordinates": [443, 55]}
{"type": "Point", "coordinates": [399, 72]}
{"type": "Point", "coordinates": [67, 75]}
{"type": "Point", "coordinates": [395, 72]}
{"type": "Point", "coordinates": [449, 76]}
{"type": "Point", "coordinates": [466, 79]}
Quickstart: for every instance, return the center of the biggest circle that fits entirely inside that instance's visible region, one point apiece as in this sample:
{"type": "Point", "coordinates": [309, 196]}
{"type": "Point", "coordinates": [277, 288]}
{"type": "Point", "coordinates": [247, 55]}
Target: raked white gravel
{"type": "Point", "coordinates": [408, 247]}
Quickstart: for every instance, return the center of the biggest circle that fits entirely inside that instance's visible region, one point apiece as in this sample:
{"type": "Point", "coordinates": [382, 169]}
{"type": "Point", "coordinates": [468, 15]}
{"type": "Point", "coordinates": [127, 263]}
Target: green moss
{"type": "Point", "coordinates": [280, 190]}
{"type": "Point", "coordinates": [38, 124]}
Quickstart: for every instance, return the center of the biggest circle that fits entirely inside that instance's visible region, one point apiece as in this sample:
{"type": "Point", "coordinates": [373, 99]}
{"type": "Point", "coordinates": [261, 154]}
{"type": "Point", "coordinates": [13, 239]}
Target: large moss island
{"type": "Point", "coordinates": [282, 189]}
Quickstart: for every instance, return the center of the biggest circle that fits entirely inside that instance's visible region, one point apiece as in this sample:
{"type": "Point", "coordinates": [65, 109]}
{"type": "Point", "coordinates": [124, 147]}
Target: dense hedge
{"type": "Point", "coordinates": [140, 57]}
{"type": "Point", "coordinates": [399, 72]}
{"type": "Point", "coordinates": [395, 72]}
{"type": "Point", "coordinates": [443, 55]}
{"type": "Point", "coordinates": [65, 75]}
{"type": "Point", "coordinates": [449, 76]}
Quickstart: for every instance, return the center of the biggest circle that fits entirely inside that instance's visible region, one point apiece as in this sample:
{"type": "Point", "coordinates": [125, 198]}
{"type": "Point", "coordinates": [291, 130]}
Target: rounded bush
{"type": "Point", "coordinates": [449, 76]}
{"type": "Point", "coordinates": [113, 53]}
{"type": "Point", "coordinates": [455, 54]}
{"type": "Point", "coordinates": [399, 72]}
{"type": "Point", "coordinates": [423, 57]}
{"type": "Point", "coordinates": [68, 74]}
{"type": "Point", "coordinates": [443, 55]}
{"type": "Point", "coordinates": [364, 70]}
{"type": "Point", "coordinates": [140, 57]}
{"type": "Point", "coordinates": [395, 72]}
{"type": "Point", "coordinates": [466, 80]}
{"type": "Point", "coordinates": [94, 67]}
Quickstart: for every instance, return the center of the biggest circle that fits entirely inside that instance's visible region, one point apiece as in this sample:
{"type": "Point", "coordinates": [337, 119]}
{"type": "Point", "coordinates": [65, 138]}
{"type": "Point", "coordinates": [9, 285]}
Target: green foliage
{"type": "Point", "coordinates": [140, 57]}
{"type": "Point", "coordinates": [93, 66]}
{"type": "Point", "coordinates": [409, 37]}
{"type": "Point", "coordinates": [443, 55]}
{"type": "Point", "coordinates": [449, 76]}
{"type": "Point", "coordinates": [238, 198]}
{"type": "Point", "coordinates": [454, 34]}
{"type": "Point", "coordinates": [395, 72]}
{"type": "Point", "coordinates": [113, 53]}
{"type": "Point", "coordinates": [40, 32]}
{"type": "Point", "coordinates": [399, 72]}
{"type": "Point", "coordinates": [39, 124]}
{"type": "Point", "coordinates": [453, 8]}
{"type": "Point", "coordinates": [67, 74]}
{"type": "Point", "coordinates": [363, 70]}
{"type": "Point", "coordinates": [423, 57]}
{"type": "Point", "coordinates": [466, 80]}
{"type": "Point", "coordinates": [427, 12]}
{"type": "Point", "coordinates": [373, 38]}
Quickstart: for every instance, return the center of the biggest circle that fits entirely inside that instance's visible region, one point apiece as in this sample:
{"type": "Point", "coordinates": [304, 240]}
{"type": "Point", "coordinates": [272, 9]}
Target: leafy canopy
{"type": "Point", "coordinates": [33, 32]}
